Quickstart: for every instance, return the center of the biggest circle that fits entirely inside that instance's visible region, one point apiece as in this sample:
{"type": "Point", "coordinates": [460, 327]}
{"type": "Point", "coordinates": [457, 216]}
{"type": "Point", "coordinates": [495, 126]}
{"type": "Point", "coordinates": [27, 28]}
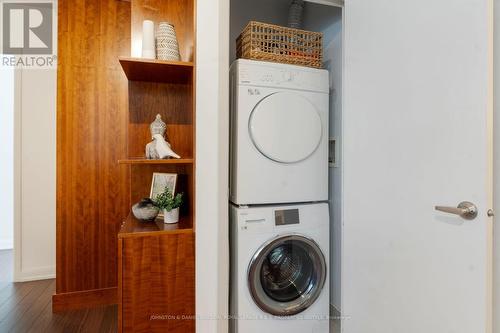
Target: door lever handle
{"type": "Point", "coordinates": [466, 210]}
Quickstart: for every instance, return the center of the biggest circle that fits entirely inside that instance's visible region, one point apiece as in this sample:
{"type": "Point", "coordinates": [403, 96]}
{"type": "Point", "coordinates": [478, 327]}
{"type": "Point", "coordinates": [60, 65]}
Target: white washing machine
{"type": "Point", "coordinates": [279, 275]}
{"type": "Point", "coordinates": [279, 133]}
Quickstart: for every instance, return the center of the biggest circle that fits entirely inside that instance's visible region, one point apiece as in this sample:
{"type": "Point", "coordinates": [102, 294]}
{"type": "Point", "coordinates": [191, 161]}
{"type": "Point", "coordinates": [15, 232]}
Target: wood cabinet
{"type": "Point", "coordinates": [156, 290]}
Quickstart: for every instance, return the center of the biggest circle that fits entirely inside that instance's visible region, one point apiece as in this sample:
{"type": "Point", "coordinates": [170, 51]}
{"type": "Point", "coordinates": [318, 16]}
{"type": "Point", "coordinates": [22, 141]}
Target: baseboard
{"type": "Point", "coordinates": [6, 244]}
{"type": "Point", "coordinates": [35, 278]}
{"type": "Point", "coordinates": [84, 299]}
{"type": "Point", "coordinates": [34, 274]}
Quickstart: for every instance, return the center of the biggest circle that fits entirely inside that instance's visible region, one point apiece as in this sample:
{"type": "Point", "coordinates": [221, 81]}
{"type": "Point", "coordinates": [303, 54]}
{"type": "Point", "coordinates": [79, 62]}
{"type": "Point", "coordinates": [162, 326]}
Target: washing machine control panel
{"type": "Point", "coordinates": [291, 77]}
{"type": "Point", "coordinates": [286, 216]}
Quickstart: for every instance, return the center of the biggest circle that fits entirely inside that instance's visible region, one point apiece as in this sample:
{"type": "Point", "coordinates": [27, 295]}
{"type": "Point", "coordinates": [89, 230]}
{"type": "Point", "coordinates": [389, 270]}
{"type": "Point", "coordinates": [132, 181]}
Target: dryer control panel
{"type": "Point", "coordinates": [267, 74]}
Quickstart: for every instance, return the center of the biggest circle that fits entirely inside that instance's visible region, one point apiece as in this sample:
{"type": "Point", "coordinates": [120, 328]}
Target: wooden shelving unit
{"type": "Point", "coordinates": [156, 260]}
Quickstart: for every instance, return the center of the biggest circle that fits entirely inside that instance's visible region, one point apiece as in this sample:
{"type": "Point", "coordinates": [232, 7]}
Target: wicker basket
{"type": "Point", "coordinates": [269, 42]}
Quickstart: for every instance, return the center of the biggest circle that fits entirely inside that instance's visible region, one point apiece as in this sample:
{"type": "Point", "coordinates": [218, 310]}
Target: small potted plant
{"type": "Point", "coordinates": [169, 204]}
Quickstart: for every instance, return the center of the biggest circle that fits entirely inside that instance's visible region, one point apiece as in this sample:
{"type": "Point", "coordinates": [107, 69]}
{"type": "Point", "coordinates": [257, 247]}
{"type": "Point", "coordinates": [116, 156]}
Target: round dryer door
{"type": "Point", "coordinates": [286, 275]}
{"type": "Point", "coordinates": [285, 127]}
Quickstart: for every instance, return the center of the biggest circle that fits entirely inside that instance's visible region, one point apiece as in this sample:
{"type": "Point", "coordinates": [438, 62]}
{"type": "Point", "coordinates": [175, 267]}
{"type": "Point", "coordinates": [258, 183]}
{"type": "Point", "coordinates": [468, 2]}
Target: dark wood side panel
{"type": "Point", "coordinates": [92, 123]}
{"type": "Point", "coordinates": [158, 284]}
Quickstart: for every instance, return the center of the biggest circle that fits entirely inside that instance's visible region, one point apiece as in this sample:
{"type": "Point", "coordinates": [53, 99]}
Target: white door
{"type": "Point", "coordinates": [417, 117]}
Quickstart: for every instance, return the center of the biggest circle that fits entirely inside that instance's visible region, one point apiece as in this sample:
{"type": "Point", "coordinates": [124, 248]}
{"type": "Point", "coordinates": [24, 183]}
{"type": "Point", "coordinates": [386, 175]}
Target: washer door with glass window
{"type": "Point", "coordinates": [285, 127]}
{"type": "Point", "coordinates": [286, 275]}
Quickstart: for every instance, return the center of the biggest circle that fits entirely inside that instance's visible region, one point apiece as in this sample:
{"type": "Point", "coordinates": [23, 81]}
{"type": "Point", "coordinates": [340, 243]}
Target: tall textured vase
{"type": "Point", "coordinates": [167, 47]}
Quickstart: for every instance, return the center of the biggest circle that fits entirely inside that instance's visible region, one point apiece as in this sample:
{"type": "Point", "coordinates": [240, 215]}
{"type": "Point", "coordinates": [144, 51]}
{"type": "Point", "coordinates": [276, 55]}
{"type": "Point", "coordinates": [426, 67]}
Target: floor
{"type": "Point", "coordinates": [27, 307]}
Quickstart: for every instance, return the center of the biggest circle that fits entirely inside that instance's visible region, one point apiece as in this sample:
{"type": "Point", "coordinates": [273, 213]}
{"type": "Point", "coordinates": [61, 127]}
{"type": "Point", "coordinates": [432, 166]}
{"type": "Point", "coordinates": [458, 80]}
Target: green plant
{"type": "Point", "coordinates": [167, 201]}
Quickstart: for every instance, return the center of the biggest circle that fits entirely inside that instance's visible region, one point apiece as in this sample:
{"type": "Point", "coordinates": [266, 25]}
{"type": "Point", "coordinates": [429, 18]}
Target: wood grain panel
{"type": "Point", "coordinates": [92, 117]}
{"type": "Point", "coordinates": [157, 284]}
{"type": "Point", "coordinates": [180, 13]}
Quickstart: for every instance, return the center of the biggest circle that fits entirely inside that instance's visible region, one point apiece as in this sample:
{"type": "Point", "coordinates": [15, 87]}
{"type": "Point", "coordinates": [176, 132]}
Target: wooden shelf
{"type": "Point", "coordinates": [141, 160]}
{"type": "Point", "coordinates": [152, 70]}
{"type": "Point", "coordinates": [133, 227]}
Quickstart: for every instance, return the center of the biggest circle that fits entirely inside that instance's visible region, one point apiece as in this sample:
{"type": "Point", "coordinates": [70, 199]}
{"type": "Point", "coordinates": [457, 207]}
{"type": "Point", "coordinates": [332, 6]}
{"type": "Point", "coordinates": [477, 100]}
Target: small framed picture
{"type": "Point", "coordinates": [160, 181]}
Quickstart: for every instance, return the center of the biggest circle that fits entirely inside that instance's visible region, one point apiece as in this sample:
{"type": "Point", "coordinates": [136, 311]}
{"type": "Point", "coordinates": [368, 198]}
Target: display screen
{"type": "Point", "coordinates": [286, 216]}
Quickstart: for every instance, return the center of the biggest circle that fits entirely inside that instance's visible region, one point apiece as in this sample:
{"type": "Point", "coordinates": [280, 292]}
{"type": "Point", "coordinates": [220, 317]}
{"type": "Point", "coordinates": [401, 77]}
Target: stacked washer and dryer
{"type": "Point", "coordinates": [279, 218]}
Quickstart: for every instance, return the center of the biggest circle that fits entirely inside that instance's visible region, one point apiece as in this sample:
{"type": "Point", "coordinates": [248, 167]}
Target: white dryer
{"type": "Point", "coordinates": [279, 133]}
{"type": "Point", "coordinates": [279, 275]}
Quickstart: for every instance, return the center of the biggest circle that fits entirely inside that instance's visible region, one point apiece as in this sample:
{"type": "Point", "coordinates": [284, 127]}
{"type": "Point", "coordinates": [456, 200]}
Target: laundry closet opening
{"type": "Point", "coordinates": [324, 16]}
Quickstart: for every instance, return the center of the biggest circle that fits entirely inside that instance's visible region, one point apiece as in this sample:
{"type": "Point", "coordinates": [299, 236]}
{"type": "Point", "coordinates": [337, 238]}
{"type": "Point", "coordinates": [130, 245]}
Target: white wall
{"type": "Point", "coordinates": [35, 171]}
{"type": "Point", "coordinates": [496, 173]}
{"type": "Point", "coordinates": [7, 153]}
{"type": "Point", "coordinates": [212, 151]}
{"type": "Point", "coordinates": [35, 174]}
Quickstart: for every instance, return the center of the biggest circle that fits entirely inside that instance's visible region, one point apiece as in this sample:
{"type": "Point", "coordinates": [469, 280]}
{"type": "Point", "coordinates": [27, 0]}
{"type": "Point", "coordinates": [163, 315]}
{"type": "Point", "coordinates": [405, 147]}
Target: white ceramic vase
{"type": "Point", "coordinates": [171, 216]}
{"type": "Point", "coordinates": [167, 47]}
{"type": "Point", "coordinates": [148, 39]}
